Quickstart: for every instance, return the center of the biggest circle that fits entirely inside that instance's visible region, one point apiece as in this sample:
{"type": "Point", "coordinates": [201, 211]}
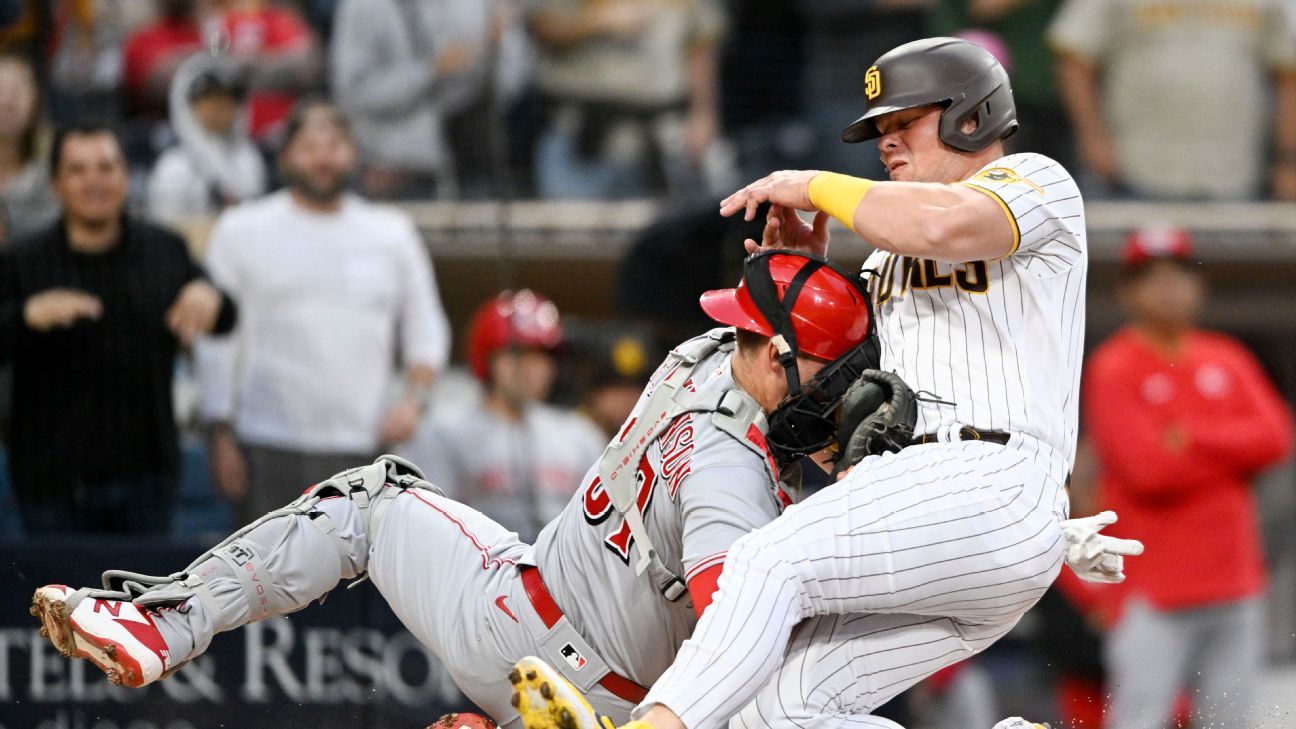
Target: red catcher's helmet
{"type": "Point", "coordinates": [827, 307]}
{"type": "Point", "coordinates": [522, 319]}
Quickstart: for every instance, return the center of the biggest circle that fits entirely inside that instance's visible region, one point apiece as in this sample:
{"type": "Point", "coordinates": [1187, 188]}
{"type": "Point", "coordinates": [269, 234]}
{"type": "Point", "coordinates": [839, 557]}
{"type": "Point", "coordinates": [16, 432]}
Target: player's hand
{"type": "Point", "coordinates": [1093, 556]}
{"type": "Point", "coordinates": [229, 469]}
{"type": "Point", "coordinates": [1176, 438]}
{"type": "Point", "coordinates": [195, 311]}
{"type": "Point", "coordinates": [400, 423]}
{"type": "Point", "coordinates": [784, 228]}
{"type": "Point", "coordinates": [789, 188]}
{"type": "Point", "coordinates": [60, 308]}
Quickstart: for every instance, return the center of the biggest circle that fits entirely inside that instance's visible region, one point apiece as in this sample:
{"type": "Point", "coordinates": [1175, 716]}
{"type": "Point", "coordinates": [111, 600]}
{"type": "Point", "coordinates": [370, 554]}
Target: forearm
{"type": "Point", "coordinates": [1077, 80]}
{"type": "Point", "coordinates": [702, 74]}
{"type": "Point", "coordinates": [951, 223]}
{"type": "Point", "coordinates": [1285, 118]}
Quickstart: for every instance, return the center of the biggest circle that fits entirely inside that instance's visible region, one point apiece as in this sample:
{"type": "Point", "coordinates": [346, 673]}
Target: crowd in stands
{"type": "Point", "coordinates": [313, 317]}
{"type": "Point", "coordinates": [472, 99]}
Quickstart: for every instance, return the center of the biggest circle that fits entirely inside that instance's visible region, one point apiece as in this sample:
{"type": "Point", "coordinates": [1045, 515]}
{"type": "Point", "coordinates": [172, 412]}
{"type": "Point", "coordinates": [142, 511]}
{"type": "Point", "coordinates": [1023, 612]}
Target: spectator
{"type": "Point", "coordinates": [761, 111]}
{"type": "Point", "coordinates": [1182, 420]}
{"type": "Point", "coordinates": [510, 455]}
{"type": "Point", "coordinates": [843, 37]}
{"type": "Point", "coordinates": [215, 163]}
{"type": "Point", "coordinates": [276, 50]}
{"type": "Point", "coordinates": [416, 79]}
{"type": "Point", "coordinates": [1169, 100]}
{"type": "Point", "coordinates": [154, 52]}
{"type": "Point", "coordinates": [92, 312]}
{"type": "Point", "coordinates": [85, 62]}
{"type": "Point", "coordinates": [331, 287]}
{"type": "Point", "coordinates": [629, 90]}
{"type": "Point", "coordinates": [27, 203]}
{"type": "Point", "coordinates": [1021, 27]}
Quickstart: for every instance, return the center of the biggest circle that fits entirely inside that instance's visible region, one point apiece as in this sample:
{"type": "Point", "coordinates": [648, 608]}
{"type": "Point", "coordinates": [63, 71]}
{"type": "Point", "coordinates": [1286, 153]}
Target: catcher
{"type": "Point", "coordinates": [694, 468]}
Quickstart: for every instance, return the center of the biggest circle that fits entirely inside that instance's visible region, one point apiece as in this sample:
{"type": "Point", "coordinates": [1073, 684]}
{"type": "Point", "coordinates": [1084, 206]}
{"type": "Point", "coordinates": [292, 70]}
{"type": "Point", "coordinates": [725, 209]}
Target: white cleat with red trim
{"type": "Point", "coordinates": [115, 635]}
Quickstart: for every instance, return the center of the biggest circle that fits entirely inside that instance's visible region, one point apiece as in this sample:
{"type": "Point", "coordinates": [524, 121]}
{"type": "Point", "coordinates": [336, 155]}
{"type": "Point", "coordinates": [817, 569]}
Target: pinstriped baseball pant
{"type": "Point", "coordinates": [915, 561]}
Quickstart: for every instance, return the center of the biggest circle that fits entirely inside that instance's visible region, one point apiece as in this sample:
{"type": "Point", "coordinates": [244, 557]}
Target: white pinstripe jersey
{"type": "Point", "coordinates": [1002, 340]}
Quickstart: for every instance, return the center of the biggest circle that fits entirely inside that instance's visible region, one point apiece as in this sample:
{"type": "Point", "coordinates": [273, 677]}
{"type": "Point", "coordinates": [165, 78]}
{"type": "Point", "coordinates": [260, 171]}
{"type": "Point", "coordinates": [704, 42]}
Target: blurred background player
{"type": "Point", "coordinates": [331, 288]}
{"type": "Point", "coordinates": [510, 454]}
{"type": "Point", "coordinates": [1183, 420]}
{"type": "Point", "coordinates": [214, 164]}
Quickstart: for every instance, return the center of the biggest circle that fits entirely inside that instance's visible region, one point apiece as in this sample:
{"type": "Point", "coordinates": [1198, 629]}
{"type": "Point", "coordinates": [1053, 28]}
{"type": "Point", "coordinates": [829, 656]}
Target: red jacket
{"type": "Point", "coordinates": [1178, 440]}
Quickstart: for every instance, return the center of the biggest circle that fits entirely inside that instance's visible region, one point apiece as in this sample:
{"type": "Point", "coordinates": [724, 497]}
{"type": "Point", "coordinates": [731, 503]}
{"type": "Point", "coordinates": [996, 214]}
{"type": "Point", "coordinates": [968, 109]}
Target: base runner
{"type": "Point", "coordinates": [925, 557]}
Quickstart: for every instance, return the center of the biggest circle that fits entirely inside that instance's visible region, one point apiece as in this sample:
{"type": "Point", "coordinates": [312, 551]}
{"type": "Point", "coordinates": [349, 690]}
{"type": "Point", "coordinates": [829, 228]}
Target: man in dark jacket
{"type": "Point", "coordinates": [92, 312]}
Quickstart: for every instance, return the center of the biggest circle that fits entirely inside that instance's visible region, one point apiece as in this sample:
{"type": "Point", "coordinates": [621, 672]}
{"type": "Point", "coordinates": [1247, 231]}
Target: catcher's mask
{"type": "Point", "coordinates": [807, 420]}
{"type": "Point", "coordinates": [806, 305]}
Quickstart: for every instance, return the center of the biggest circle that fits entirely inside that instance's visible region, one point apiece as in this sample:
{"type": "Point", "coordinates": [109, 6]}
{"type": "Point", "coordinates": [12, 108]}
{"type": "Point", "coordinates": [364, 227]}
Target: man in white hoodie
{"type": "Point", "coordinates": [215, 164]}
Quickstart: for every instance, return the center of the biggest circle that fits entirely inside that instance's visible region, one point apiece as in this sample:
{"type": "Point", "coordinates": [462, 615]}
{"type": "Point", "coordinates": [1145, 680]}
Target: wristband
{"type": "Point", "coordinates": [838, 195]}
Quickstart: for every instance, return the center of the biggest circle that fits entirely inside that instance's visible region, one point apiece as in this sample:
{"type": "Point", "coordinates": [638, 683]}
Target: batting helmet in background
{"type": "Point", "coordinates": [957, 74]}
{"type": "Point", "coordinates": [522, 319]}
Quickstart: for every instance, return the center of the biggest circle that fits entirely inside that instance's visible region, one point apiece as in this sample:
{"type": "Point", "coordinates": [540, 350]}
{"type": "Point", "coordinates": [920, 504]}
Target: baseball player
{"type": "Point", "coordinates": [924, 557]}
{"type": "Point", "coordinates": [508, 453]}
{"type": "Point", "coordinates": [610, 589]}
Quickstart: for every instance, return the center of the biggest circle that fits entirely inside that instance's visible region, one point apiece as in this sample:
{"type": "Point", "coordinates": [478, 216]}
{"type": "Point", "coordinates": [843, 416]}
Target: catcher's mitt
{"type": "Point", "coordinates": [878, 414]}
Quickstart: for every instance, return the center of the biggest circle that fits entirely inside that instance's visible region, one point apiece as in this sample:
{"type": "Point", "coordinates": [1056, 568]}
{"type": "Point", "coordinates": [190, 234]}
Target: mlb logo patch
{"type": "Point", "coordinates": [572, 656]}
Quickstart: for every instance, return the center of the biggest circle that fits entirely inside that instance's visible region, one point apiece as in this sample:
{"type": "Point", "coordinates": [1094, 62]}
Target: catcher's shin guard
{"type": "Point", "coordinates": [275, 565]}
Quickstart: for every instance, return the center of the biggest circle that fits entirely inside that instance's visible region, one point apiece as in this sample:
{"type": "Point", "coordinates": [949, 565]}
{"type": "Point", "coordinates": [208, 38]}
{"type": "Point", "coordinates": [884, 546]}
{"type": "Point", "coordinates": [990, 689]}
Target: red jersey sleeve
{"type": "Point", "coordinates": [1258, 433]}
{"type": "Point", "coordinates": [702, 586]}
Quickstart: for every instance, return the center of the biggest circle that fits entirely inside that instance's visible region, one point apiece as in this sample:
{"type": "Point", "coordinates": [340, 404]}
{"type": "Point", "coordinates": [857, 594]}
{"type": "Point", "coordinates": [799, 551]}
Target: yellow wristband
{"type": "Point", "coordinates": [838, 195]}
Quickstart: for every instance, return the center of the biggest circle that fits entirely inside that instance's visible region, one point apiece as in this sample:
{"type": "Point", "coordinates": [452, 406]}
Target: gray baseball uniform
{"type": "Point", "coordinates": [453, 576]}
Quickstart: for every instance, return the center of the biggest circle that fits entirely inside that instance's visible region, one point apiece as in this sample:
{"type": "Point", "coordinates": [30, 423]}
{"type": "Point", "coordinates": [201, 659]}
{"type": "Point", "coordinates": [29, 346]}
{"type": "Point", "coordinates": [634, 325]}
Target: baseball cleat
{"type": "Point", "coordinates": [115, 635]}
{"type": "Point", "coordinates": [546, 700]}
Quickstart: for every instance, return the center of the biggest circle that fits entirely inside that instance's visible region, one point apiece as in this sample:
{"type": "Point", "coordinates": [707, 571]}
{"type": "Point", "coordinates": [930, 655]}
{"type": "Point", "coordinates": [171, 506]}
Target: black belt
{"type": "Point", "coordinates": [967, 433]}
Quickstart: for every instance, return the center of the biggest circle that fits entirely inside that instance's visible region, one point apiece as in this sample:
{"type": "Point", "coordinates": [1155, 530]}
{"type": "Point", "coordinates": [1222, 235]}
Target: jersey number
{"type": "Point", "coordinates": [598, 507]}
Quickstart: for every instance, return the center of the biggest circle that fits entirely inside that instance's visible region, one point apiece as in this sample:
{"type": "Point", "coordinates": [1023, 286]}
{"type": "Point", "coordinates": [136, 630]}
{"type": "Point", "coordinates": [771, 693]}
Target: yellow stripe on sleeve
{"type": "Point", "coordinates": [1012, 220]}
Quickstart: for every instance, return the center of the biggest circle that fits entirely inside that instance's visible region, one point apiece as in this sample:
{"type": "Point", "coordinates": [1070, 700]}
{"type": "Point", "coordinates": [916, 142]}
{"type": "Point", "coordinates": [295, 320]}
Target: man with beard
{"type": "Point", "coordinates": [332, 287]}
